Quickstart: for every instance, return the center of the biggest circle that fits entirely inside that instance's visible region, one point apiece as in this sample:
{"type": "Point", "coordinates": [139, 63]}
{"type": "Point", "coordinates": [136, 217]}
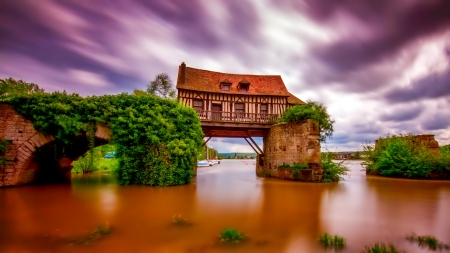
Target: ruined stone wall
{"type": "Point", "coordinates": [291, 143]}
{"type": "Point", "coordinates": [21, 166]}
{"type": "Point", "coordinates": [24, 140]}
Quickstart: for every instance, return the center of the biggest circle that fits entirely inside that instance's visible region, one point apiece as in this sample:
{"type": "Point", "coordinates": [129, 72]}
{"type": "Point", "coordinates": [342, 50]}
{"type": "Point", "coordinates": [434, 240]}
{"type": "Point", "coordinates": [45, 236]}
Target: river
{"type": "Point", "coordinates": [276, 215]}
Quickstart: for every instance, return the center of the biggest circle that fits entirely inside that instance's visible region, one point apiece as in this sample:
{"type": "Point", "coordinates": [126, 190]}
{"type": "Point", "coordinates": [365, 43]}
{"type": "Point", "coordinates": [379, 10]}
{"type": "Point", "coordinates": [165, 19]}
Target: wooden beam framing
{"type": "Point", "coordinates": [209, 138]}
{"type": "Point", "coordinates": [256, 145]}
{"type": "Point", "coordinates": [251, 146]}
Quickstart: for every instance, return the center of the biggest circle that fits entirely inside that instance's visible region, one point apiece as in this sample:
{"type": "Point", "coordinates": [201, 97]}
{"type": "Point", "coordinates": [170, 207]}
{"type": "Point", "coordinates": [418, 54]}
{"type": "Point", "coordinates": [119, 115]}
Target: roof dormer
{"type": "Point", "coordinates": [244, 86]}
{"type": "Point", "coordinates": [225, 85]}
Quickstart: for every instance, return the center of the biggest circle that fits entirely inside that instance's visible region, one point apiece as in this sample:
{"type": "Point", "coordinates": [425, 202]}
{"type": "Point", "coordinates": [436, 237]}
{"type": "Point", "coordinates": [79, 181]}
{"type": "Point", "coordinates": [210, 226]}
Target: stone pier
{"type": "Point", "coordinates": [289, 144]}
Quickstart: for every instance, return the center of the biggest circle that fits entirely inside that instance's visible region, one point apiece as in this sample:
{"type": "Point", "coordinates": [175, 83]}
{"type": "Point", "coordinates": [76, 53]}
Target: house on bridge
{"type": "Point", "coordinates": [234, 105]}
{"type": "Point", "coordinates": [247, 106]}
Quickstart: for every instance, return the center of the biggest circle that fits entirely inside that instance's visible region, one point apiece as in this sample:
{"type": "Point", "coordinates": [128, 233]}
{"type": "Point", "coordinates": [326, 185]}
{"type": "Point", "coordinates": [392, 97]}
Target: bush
{"type": "Point", "coordinates": [314, 111]}
{"type": "Point", "coordinates": [87, 163]}
{"type": "Point", "coordinates": [403, 156]}
{"type": "Point", "coordinates": [333, 171]}
{"type": "Point", "coordinates": [329, 241]}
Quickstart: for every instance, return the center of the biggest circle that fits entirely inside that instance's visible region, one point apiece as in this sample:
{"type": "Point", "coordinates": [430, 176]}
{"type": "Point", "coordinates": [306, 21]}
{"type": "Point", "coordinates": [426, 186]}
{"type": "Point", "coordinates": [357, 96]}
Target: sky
{"type": "Point", "coordinates": [380, 67]}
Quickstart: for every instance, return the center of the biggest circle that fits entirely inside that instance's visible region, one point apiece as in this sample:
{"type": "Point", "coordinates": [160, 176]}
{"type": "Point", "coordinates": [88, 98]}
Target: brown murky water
{"type": "Point", "coordinates": [278, 216]}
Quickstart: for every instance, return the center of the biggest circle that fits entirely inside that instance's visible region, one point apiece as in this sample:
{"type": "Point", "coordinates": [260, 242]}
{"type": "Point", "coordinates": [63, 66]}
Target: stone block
{"type": "Point", "coordinates": [29, 145]}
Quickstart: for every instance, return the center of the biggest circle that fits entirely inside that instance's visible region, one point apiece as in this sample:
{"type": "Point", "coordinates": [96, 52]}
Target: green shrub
{"type": "Point", "coordinates": [381, 248]}
{"type": "Point", "coordinates": [314, 111]}
{"type": "Point", "coordinates": [330, 241]}
{"type": "Point", "coordinates": [87, 163]}
{"type": "Point", "coordinates": [333, 171]}
{"type": "Point", "coordinates": [403, 156]}
{"type": "Point", "coordinates": [231, 235]}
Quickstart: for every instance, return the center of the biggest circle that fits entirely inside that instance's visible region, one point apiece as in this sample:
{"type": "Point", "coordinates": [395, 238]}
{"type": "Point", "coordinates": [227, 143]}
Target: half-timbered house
{"type": "Point", "coordinates": [233, 105]}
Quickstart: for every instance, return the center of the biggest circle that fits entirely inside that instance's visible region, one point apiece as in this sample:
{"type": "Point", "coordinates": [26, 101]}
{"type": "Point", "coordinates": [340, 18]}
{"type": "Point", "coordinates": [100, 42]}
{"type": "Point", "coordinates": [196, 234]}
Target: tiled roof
{"type": "Point", "coordinates": [295, 100]}
{"type": "Point", "coordinates": [209, 81]}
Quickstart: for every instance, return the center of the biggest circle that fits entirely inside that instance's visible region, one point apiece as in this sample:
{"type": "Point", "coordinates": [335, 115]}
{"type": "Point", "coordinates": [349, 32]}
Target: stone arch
{"type": "Point", "coordinates": [21, 167]}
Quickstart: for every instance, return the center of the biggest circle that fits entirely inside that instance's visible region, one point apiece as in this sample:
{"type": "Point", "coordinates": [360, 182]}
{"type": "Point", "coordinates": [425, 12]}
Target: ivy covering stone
{"type": "Point", "coordinates": [157, 139]}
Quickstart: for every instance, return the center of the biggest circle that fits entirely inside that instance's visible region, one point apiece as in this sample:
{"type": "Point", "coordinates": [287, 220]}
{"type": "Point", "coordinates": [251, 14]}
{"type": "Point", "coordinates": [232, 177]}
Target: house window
{"type": "Point", "coordinates": [239, 108]}
{"type": "Point", "coordinates": [243, 87]}
{"type": "Point", "coordinates": [198, 105]}
{"type": "Point", "coordinates": [263, 109]}
{"type": "Point", "coordinates": [225, 87]}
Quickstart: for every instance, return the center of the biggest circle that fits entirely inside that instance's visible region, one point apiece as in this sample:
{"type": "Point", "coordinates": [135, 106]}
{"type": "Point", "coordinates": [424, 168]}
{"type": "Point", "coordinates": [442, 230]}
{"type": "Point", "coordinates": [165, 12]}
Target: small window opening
{"type": "Point", "coordinates": [263, 109]}
{"type": "Point", "coordinates": [198, 105]}
{"type": "Point", "coordinates": [239, 107]}
{"type": "Point", "coordinates": [243, 87]}
{"type": "Point", "coordinates": [225, 87]}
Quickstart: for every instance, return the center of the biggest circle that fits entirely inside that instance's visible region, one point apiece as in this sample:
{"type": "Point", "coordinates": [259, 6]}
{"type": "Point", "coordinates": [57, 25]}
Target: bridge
{"type": "Point", "coordinates": [237, 125]}
{"type": "Point", "coordinates": [31, 156]}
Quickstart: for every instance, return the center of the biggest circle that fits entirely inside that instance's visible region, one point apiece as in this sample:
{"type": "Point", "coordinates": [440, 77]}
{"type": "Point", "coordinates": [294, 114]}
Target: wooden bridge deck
{"type": "Point", "coordinates": [232, 124]}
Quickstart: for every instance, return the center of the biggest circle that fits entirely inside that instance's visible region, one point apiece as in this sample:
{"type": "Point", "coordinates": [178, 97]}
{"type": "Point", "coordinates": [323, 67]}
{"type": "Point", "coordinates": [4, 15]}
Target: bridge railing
{"type": "Point", "coordinates": [238, 117]}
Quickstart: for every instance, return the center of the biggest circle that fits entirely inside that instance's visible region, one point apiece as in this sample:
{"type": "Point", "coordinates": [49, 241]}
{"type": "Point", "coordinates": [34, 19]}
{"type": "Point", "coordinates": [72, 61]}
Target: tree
{"type": "Point", "coordinates": [10, 86]}
{"type": "Point", "coordinates": [162, 86]}
{"type": "Point", "coordinates": [139, 92]}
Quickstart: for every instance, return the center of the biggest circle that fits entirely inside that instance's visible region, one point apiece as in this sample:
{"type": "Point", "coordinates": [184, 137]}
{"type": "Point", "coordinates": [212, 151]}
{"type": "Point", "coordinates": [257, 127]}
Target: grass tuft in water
{"type": "Point", "coordinates": [381, 248]}
{"type": "Point", "coordinates": [330, 241]}
{"type": "Point", "coordinates": [178, 219]}
{"type": "Point", "coordinates": [231, 235]}
{"type": "Point", "coordinates": [93, 236]}
{"type": "Point", "coordinates": [427, 241]}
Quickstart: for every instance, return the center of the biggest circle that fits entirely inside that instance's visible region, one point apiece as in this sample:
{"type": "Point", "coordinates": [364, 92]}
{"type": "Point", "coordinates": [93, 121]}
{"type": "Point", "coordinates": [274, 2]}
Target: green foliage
{"type": "Point", "coordinates": [93, 160]}
{"type": "Point", "coordinates": [207, 153]}
{"type": "Point", "coordinates": [156, 139]}
{"type": "Point", "coordinates": [11, 87]}
{"type": "Point", "coordinates": [427, 241]}
{"type": "Point", "coordinates": [108, 164]}
{"type": "Point", "coordinates": [139, 92]}
{"type": "Point", "coordinates": [162, 86]}
{"type": "Point", "coordinates": [231, 235]}
{"type": "Point", "coordinates": [295, 168]}
{"type": "Point", "coordinates": [87, 163]}
{"type": "Point", "coordinates": [381, 248]}
{"type": "Point", "coordinates": [404, 156]}
{"type": "Point", "coordinates": [334, 171]}
{"type": "Point", "coordinates": [107, 148]}
{"type": "Point", "coordinates": [314, 111]}
{"type": "Point", "coordinates": [329, 241]}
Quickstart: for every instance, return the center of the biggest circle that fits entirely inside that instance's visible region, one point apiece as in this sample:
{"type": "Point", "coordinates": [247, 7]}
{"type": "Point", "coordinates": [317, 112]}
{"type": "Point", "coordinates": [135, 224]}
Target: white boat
{"type": "Point", "coordinates": [203, 163]}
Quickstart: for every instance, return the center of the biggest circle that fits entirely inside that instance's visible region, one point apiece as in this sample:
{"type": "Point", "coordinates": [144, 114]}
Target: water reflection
{"type": "Point", "coordinates": [278, 216]}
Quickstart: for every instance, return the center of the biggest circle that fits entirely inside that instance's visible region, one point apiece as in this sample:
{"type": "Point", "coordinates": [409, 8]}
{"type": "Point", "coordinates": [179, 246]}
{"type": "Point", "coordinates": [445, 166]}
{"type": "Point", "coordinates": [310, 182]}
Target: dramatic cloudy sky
{"type": "Point", "coordinates": [381, 67]}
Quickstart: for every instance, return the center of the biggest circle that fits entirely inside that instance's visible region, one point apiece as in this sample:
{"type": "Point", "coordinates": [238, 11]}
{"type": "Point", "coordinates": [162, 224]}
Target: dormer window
{"type": "Point", "coordinates": [243, 86]}
{"type": "Point", "coordinates": [225, 85]}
